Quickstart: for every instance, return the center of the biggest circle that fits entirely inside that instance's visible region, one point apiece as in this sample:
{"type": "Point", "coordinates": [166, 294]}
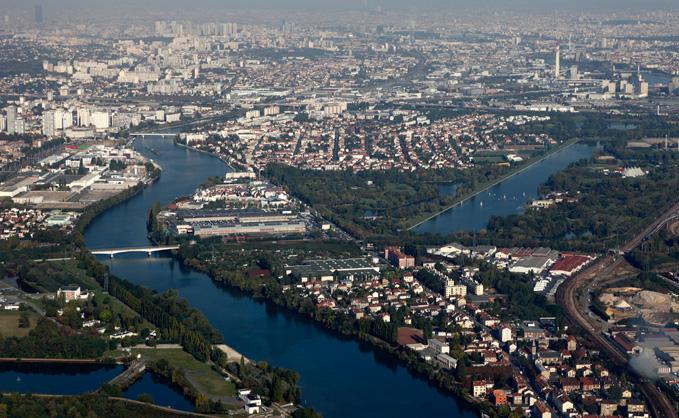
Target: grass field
{"type": "Point", "coordinates": [117, 307]}
{"type": "Point", "coordinates": [201, 375]}
{"type": "Point", "coordinates": [50, 276]}
{"type": "Point", "coordinates": [9, 324]}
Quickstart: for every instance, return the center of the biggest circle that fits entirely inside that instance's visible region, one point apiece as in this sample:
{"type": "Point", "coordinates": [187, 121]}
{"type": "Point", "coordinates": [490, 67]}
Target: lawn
{"type": "Point", "coordinates": [118, 307]}
{"type": "Point", "coordinates": [9, 324]}
{"type": "Point", "coordinates": [50, 276]}
{"type": "Point", "coordinates": [201, 375]}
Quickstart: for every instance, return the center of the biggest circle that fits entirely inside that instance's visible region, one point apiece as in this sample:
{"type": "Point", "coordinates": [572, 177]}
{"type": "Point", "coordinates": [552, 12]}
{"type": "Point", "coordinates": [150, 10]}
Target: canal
{"type": "Point", "coordinates": [506, 198]}
{"type": "Point", "coordinates": [341, 378]}
{"type": "Point", "coordinates": [55, 378]}
{"type": "Point", "coordinates": [161, 390]}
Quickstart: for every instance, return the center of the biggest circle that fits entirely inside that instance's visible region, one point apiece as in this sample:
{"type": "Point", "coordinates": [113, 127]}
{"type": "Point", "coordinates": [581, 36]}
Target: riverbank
{"type": "Point", "coordinates": [410, 360]}
{"type": "Point", "coordinates": [97, 404]}
{"type": "Point", "coordinates": [487, 186]}
{"type": "Point", "coordinates": [102, 206]}
{"type": "Point", "coordinates": [263, 331]}
{"type": "Point", "coordinates": [219, 157]}
{"type": "Point", "coordinates": [54, 360]}
{"type": "Point", "coordinates": [443, 381]}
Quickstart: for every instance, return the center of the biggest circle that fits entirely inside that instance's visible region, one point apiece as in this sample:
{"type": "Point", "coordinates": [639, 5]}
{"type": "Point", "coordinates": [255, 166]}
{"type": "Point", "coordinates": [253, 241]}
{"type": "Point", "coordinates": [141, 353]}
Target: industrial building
{"type": "Point", "coordinates": [331, 269]}
{"type": "Point", "coordinates": [205, 223]}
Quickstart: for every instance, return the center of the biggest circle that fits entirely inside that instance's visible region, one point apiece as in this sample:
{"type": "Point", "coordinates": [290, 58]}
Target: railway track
{"type": "Point", "coordinates": [593, 277]}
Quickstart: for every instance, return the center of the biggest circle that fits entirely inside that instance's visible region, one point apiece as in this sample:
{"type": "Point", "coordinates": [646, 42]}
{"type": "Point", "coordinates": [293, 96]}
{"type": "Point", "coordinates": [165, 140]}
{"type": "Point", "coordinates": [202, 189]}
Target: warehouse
{"type": "Point", "coordinates": [330, 269]}
{"type": "Point", "coordinates": [209, 229]}
{"type": "Point", "coordinates": [534, 264]}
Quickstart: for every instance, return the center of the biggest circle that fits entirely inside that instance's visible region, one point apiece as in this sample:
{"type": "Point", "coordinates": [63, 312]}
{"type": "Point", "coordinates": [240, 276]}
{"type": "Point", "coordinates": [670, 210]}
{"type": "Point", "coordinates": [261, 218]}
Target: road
{"type": "Point", "coordinates": [593, 277]}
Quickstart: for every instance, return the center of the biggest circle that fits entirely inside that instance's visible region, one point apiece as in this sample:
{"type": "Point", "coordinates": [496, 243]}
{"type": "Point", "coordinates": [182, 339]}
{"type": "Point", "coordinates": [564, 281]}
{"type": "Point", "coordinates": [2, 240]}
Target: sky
{"type": "Point", "coordinates": [544, 5]}
{"type": "Point", "coordinates": [204, 10]}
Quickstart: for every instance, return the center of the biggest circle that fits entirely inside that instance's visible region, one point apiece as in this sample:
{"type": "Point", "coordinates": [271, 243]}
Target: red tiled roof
{"type": "Point", "coordinates": [570, 263]}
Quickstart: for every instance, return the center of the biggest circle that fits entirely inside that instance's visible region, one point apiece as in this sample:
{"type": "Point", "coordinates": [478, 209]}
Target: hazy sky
{"type": "Point", "coordinates": [206, 10]}
{"type": "Point", "coordinates": [611, 5]}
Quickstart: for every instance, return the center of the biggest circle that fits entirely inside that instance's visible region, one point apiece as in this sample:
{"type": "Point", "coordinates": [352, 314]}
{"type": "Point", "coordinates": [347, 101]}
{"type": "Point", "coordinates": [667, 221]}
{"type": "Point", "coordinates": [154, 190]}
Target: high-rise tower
{"type": "Point", "coordinates": [38, 14]}
{"type": "Point", "coordinates": [557, 62]}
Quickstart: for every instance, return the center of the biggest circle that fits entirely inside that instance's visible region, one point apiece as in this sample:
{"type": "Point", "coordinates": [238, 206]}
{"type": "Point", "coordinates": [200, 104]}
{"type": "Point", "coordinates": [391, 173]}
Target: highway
{"type": "Point", "coordinates": [597, 275]}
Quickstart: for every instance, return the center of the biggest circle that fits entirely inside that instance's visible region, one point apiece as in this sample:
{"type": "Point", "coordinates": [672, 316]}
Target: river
{"type": "Point", "coordinates": [55, 378]}
{"type": "Point", "coordinates": [341, 378]}
{"type": "Point", "coordinates": [506, 198]}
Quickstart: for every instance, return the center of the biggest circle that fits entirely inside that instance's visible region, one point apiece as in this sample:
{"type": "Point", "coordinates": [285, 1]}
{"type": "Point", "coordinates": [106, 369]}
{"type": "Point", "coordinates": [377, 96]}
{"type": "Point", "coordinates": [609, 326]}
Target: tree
{"type": "Point", "coordinates": [202, 403]}
{"type": "Point", "coordinates": [145, 397]}
{"type": "Point", "coordinates": [163, 365]}
{"type": "Point", "coordinates": [105, 315]}
{"type": "Point", "coordinates": [277, 391]}
{"type": "Point", "coordinates": [24, 320]}
{"type": "Point", "coordinates": [461, 369]}
{"type": "Point", "coordinates": [427, 329]}
{"type": "Point", "coordinates": [111, 390]}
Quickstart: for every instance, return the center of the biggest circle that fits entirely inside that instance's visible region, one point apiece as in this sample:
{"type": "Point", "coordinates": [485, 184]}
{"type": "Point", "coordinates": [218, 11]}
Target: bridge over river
{"type": "Point", "coordinates": [158, 134]}
{"type": "Point", "coordinates": [123, 250]}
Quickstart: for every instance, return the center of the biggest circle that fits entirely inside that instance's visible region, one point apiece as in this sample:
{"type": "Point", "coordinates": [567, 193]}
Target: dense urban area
{"type": "Point", "coordinates": [488, 200]}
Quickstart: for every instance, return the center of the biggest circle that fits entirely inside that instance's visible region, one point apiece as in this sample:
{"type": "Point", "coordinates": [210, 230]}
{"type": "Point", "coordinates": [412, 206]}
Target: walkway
{"type": "Point", "coordinates": [231, 354]}
{"type": "Point", "coordinates": [130, 375]}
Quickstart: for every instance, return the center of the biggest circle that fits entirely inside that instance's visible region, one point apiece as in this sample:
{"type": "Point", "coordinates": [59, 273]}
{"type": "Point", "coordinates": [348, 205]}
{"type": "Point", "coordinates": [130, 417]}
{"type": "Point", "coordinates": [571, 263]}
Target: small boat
{"type": "Point", "coordinates": [18, 378]}
{"type": "Point", "coordinates": [481, 204]}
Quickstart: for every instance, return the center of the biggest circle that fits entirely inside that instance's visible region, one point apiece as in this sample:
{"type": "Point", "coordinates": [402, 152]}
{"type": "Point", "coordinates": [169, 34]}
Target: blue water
{"type": "Point", "coordinates": [161, 389]}
{"type": "Point", "coordinates": [507, 198]}
{"type": "Point", "coordinates": [341, 378]}
{"type": "Point", "coordinates": [55, 379]}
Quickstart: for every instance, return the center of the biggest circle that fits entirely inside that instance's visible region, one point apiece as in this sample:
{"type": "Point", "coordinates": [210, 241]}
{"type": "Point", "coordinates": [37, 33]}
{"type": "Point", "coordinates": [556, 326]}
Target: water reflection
{"type": "Point", "coordinates": [339, 376]}
{"type": "Point", "coordinates": [162, 391]}
{"type": "Point", "coordinates": [506, 198]}
{"type": "Point", "coordinates": [55, 378]}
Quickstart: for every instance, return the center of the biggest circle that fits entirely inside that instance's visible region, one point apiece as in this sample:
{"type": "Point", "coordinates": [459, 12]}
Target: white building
{"type": "Point", "coordinates": [48, 128]}
{"type": "Point", "coordinates": [69, 293]}
{"type": "Point", "coordinates": [451, 289]}
{"type": "Point", "coordinates": [438, 347]}
{"type": "Point", "coordinates": [101, 120]}
{"type": "Point", "coordinates": [505, 334]}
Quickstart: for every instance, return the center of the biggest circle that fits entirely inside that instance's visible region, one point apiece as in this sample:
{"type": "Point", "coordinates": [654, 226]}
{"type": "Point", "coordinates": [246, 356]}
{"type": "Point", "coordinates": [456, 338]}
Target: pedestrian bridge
{"type": "Point", "coordinates": [123, 250]}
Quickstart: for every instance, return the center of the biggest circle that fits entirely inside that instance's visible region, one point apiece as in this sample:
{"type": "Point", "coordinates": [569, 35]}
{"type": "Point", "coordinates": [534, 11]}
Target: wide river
{"type": "Point", "coordinates": [507, 198]}
{"type": "Point", "coordinates": [341, 378]}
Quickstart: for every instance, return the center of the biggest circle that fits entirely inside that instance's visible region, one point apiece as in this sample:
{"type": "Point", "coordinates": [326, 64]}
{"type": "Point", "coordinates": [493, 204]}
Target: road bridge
{"type": "Point", "coordinates": [145, 134]}
{"type": "Point", "coordinates": [123, 250]}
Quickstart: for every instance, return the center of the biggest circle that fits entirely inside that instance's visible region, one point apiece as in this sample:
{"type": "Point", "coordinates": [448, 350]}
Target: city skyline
{"type": "Point", "coordinates": [357, 209]}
